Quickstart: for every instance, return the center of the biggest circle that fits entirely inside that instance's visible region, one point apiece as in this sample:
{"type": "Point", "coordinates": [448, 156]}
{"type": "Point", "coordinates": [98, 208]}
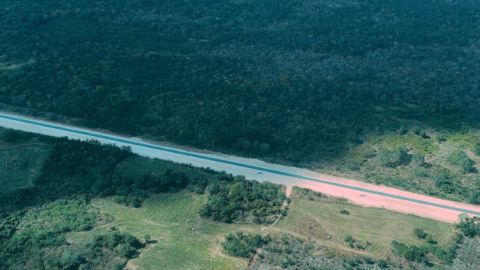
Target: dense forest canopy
{"type": "Point", "coordinates": [296, 80]}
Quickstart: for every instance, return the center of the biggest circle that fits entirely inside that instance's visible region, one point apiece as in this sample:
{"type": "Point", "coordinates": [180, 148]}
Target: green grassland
{"type": "Point", "coordinates": [184, 240]}
{"type": "Point", "coordinates": [187, 241]}
{"type": "Point", "coordinates": [320, 220]}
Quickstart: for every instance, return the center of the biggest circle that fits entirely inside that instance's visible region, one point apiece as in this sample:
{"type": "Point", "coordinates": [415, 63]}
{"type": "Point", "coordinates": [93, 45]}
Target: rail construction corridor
{"type": "Point", "coordinates": [355, 191]}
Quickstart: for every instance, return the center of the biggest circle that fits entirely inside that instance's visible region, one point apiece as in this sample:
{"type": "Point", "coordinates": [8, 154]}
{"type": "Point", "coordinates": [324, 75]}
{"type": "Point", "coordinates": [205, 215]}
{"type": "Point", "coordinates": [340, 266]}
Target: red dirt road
{"type": "Point", "coordinates": [379, 201]}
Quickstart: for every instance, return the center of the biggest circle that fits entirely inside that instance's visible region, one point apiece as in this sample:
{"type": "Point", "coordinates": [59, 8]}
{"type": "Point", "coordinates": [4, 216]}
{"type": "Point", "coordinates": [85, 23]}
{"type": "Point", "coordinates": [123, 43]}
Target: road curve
{"type": "Point", "coordinates": [356, 192]}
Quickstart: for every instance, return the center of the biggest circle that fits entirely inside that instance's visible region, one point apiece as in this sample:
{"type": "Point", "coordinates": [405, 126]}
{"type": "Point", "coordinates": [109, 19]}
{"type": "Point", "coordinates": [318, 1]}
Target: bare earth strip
{"type": "Point", "coordinates": [355, 191]}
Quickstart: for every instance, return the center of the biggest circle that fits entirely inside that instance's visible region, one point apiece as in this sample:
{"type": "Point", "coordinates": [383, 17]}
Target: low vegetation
{"type": "Point", "coordinates": [395, 157]}
{"type": "Point", "coordinates": [243, 245]}
{"type": "Point", "coordinates": [37, 239]}
{"type": "Point", "coordinates": [436, 163]}
{"type": "Point", "coordinates": [467, 255]}
{"type": "Point", "coordinates": [180, 238]}
{"type": "Point", "coordinates": [470, 227]}
{"type": "Point", "coordinates": [367, 232]}
{"type": "Point", "coordinates": [284, 251]}
{"type": "Point", "coordinates": [462, 161]}
{"type": "Point", "coordinates": [428, 253]}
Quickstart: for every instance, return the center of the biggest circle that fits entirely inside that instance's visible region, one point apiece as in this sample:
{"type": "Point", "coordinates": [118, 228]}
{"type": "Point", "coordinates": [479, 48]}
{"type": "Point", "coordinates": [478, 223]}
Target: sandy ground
{"type": "Point", "coordinates": [391, 198]}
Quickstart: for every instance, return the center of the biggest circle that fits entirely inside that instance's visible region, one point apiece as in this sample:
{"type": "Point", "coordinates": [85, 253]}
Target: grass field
{"type": "Point", "coordinates": [185, 240]}
{"type": "Point", "coordinates": [322, 221]}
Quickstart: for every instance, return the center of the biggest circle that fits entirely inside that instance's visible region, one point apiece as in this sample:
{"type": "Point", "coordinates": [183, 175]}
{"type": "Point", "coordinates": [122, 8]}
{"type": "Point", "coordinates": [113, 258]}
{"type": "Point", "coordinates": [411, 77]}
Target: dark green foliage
{"type": "Point", "coordinates": [234, 199]}
{"type": "Point", "coordinates": [475, 197]}
{"type": "Point", "coordinates": [289, 253]}
{"type": "Point", "coordinates": [461, 160]}
{"type": "Point", "coordinates": [344, 212]}
{"type": "Point", "coordinates": [470, 227]}
{"type": "Point", "coordinates": [243, 245]}
{"type": "Point", "coordinates": [13, 136]}
{"type": "Point", "coordinates": [420, 233]}
{"type": "Point", "coordinates": [90, 170]}
{"type": "Point", "coordinates": [476, 149]}
{"type": "Point", "coordinates": [124, 244]}
{"type": "Point", "coordinates": [45, 226]}
{"type": "Point", "coordinates": [395, 157]}
{"type": "Point", "coordinates": [444, 182]}
{"type": "Point", "coordinates": [148, 239]}
{"type": "Point", "coordinates": [355, 243]}
{"type": "Point", "coordinates": [239, 75]}
{"type": "Point", "coordinates": [37, 239]}
{"type": "Point", "coordinates": [411, 253]}
{"type": "Point", "coordinates": [425, 252]}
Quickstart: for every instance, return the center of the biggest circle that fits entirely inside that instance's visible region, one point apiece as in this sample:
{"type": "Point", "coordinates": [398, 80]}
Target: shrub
{"type": "Point", "coordinates": [470, 227]}
{"type": "Point", "coordinates": [395, 157]}
{"type": "Point", "coordinates": [476, 149]}
{"type": "Point", "coordinates": [243, 245]}
{"type": "Point", "coordinates": [444, 182]}
{"type": "Point", "coordinates": [411, 253]}
{"type": "Point", "coordinates": [355, 243]}
{"type": "Point", "coordinates": [461, 160]}
{"type": "Point", "coordinates": [420, 233]}
{"type": "Point", "coordinates": [124, 244]}
{"type": "Point", "coordinates": [475, 197]}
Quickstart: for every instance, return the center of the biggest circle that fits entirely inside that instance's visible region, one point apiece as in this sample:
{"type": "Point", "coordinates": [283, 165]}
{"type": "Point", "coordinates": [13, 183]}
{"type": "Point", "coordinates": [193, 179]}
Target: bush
{"type": "Point", "coordinates": [461, 160]}
{"type": "Point", "coordinates": [470, 227]}
{"type": "Point", "coordinates": [476, 149]}
{"type": "Point", "coordinates": [444, 182]}
{"type": "Point", "coordinates": [420, 233]}
{"type": "Point", "coordinates": [395, 157]}
{"type": "Point", "coordinates": [411, 253]}
{"type": "Point", "coordinates": [124, 244]}
{"type": "Point", "coordinates": [355, 243]}
{"type": "Point", "coordinates": [243, 245]}
{"type": "Point", "coordinates": [475, 197]}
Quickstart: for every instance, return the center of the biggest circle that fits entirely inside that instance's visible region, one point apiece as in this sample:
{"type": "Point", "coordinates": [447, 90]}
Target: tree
{"type": "Point", "coordinates": [470, 227]}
